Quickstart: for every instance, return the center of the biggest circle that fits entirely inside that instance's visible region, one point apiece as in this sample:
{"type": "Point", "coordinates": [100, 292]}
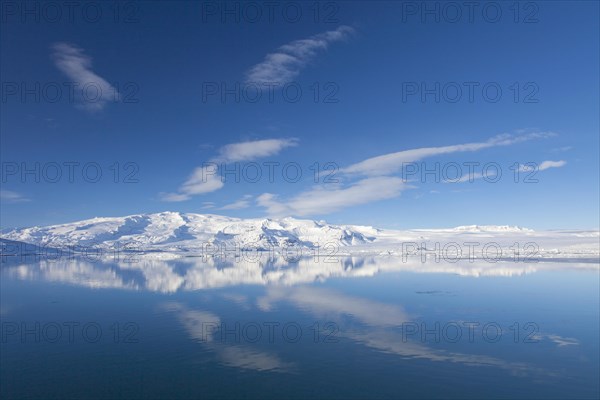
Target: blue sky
{"type": "Point", "coordinates": [367, 91]}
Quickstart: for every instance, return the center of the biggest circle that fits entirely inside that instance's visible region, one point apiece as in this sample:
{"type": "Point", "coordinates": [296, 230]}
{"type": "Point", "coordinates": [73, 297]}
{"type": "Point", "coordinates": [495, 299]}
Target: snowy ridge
{"type": "Point", "coordinates": [174, 233]}
{"type": "Point", "coordinates": [490, 228]}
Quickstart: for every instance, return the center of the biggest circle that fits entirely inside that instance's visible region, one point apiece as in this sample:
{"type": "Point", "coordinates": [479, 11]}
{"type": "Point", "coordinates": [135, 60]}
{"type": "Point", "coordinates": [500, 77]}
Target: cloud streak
{"type": "Point", "coordinates": [393, 162]}
{"type": "Point", "coordinates": [378, 182]}
{"type": "Point", "coordinates": [242, 203]}
{"type": "Point", "coordinates": [286, 63]}
{"type": "Point", "coordinates": [202, 180]}
{"type": "Point", "coordinates": [248, 151]}
{"type": "Point", "coordinates": [365, 182]}
{"type": "Point", "coordinates": [8, 196]}
{"type": "Point", "coordinates": [94, 91]}
{"type": "Point", "coordinates": [530, 167]}
{"type": "Point", "coordinates": [320, 200]}
{"type": "Point", "coordinates": [542, 166]}
{"type": "Point", "coordinates": [206, 179]}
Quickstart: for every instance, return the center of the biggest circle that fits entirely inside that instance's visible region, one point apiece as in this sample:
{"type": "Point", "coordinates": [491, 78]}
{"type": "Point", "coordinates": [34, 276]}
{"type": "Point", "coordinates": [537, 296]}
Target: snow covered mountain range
{"type": "Point", "coordinates": [173, 232]}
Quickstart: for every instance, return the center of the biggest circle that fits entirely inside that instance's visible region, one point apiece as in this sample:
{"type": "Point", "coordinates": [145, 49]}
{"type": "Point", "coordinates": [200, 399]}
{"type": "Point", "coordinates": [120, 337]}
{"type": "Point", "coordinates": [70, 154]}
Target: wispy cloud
{"type": "Point", "coordinates": [393, 162]}
{"type": "Point", "coordinates": [560, 341]}
{"type": "Point", "coordinates": [203, 180]}
{"type": "Point", "coordinates": [472, 177]}
{"type": "Point", "coordinates": [522, 168]}
{"type": "Point", "coordinates": [542, 166]}
{"type": "Point", "coordinates": [94, 91]}
{"type": "Point", "coordinates": [206, 179]}
{"type": "Point", "coordinates": [208, 205]}
{"type": "Point", "coordinates": [173, 197]}
{"type": "Point", "coordinates": [379, 184]}
{"type": "Point", "coordinates": [286, 63]}
{"type": "Point", "coordinates": [248, 151]}
{"type": "Point", "coordinates": [244, 202]}
{"type": "Point", "coordinates": [563, 341]}
{"type": "Point", "coordinates": [321, 200]}
{"type": "Point", "coordinates": [8, 196]}
{"type": "Point", "coordinates": [365, 182]}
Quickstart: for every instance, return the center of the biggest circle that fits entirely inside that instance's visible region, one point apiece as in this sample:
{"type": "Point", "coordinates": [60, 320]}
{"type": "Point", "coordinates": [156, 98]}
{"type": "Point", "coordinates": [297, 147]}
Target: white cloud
{"type": "Point", "coordinates": [247, 151]}
{"type": "Point", "coordinates": [287, 62]}
{"type": "Point", "coordinates": [320, 200]}
{"type": "Point", "coordinates": [563, 341]}
{"type": "Point", "coordinates": [542, 166]}
{"type": "Point", "coordinates": [94, 90]}
{"type": "Point", "coordinates": [244, 202]}
{"type": "Point", "coordinates": [473, 176]}
{"type": "Point", "coordinates": [9, 196]}
{"type": "Point", "coordinates": [206, 179]}
{"type": "Point", "coordinates": [551, 164]}
{"type": "Point", "coordinates": [378, 185]}
{"type": "Point", "coordinates": [393, 162]}
{"type": "Point", "coordinates": [173, 197]}
{"type": "Point", "coordinates": [203, 180]}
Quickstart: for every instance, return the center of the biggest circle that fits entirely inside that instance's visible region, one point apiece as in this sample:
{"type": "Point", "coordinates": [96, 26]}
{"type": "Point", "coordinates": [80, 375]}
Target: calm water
{"type": "Point", "coordinates": [349, 328]}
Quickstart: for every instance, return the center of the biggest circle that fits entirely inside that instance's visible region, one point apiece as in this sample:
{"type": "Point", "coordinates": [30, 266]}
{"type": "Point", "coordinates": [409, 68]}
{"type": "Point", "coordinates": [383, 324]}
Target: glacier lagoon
{"type": "Point", "coordinates": [341, 327]}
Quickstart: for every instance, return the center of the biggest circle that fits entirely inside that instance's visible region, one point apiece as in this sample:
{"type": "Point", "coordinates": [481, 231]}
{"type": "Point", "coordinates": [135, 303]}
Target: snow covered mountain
{"type": "Point", "coordinates": [173, 232]}
{"type": "Point", "coordinates": [489, 228]}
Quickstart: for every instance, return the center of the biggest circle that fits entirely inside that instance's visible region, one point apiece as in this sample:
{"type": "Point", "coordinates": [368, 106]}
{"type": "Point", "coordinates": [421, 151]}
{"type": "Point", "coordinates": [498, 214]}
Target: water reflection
{"type": "Point", "coordinates": [203, 299]}
{"type": "Point", "coordinates": [197, 323]}
{"type": "Point", "coordinates": [195, 273]}
{"type": "Point", "coordinates": [375, 325]}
